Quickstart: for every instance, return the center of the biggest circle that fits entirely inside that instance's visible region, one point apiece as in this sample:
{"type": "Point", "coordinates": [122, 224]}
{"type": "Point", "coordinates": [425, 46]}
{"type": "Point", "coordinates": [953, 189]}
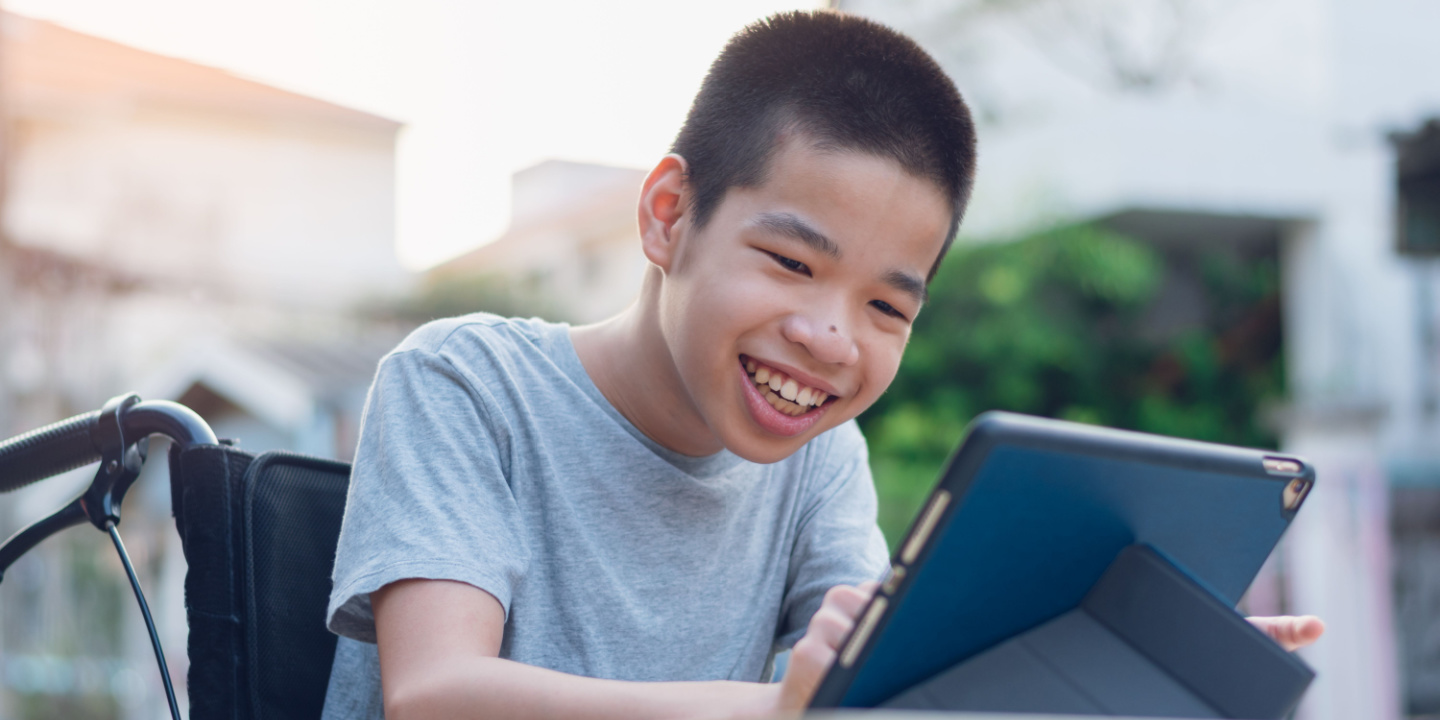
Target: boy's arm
{"type": "Point", "coordinates": [439, 641]}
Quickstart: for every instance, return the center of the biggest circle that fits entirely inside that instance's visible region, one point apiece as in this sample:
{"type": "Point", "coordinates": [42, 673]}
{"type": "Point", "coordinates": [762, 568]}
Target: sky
{"type": "Point", "coordinates": [484, 88]}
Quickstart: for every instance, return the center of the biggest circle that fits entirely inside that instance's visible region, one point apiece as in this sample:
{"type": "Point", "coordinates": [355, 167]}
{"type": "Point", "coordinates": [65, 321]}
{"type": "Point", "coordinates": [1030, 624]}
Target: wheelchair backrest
{"type": "Point", "coordinates": [259, 535]}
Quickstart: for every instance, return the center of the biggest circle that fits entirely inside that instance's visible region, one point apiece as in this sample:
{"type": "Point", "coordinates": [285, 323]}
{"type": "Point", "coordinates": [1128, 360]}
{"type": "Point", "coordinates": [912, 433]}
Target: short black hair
{"type": "Point", "coordinates": [840, 80]}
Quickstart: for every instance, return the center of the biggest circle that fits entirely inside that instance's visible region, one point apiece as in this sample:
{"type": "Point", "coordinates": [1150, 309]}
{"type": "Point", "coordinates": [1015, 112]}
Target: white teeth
{"type": "Point", "coordinates": [790, 389]}
{"type": "Point", "coordinates": [783, 405]}
{"type": "Point", "coordinates": [786, 394]}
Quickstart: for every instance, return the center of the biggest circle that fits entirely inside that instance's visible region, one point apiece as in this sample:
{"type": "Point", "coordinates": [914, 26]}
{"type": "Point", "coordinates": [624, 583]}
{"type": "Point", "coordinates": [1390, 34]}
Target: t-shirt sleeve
{"type": "Point", "coordinates": [838, 541]}
{"type": "Point", "coordinates": [429, 496]}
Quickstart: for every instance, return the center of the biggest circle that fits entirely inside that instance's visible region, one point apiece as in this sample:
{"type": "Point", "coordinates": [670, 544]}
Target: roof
{"type": "Point", "coordinates": [328, 367]}
{"type": "Point", "coordinates": [47, 65]}
{"type": "Point", "coordinates": [279, 380]}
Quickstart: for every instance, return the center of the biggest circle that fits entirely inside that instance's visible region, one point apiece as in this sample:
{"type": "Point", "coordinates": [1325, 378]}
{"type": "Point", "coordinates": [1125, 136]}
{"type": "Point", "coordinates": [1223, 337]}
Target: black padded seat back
{"type": "Point", "coordinates": [293, 508]}
{"type": "Point", "coordinates": [206, 488]}
{"type": "Point", "coordinates": [259, 535]}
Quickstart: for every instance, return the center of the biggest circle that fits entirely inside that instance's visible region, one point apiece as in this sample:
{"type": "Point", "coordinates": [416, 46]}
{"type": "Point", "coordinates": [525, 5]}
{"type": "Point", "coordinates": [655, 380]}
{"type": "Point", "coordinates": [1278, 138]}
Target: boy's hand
{"type": "Point", "coordinates": [1292, 633]}
{"type": "Point", "coordinates": [812, 656]}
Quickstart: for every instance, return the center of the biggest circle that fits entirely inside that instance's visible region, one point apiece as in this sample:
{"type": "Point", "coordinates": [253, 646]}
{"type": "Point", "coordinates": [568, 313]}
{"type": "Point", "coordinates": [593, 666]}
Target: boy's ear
{"type": "Point", "coordinates": [662, 205]}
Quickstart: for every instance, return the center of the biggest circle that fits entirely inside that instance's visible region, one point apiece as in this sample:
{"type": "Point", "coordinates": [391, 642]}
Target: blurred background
{"type": "Point", "coordinates": [1214, 219]}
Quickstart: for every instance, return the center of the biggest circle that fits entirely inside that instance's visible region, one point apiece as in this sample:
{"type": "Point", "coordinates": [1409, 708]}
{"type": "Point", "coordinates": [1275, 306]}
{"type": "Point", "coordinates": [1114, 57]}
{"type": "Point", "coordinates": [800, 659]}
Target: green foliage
{"type": "Point", "coordinates": [1074, 323]}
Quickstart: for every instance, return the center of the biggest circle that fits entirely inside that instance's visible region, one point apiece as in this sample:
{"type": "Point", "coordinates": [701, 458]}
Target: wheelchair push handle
{"type": "Point", "coordinates": [114, 435]}
{"type": "Point", "coordinates": [48, 451]}
{"type": "Point", "coordinates": [78, 441]}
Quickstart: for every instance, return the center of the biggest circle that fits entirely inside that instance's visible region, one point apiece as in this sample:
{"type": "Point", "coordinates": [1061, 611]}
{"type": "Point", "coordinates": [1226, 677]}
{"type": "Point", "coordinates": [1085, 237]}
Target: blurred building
{"type": "Point", "coordinates": [571, 243]}
{"type": "Point", "coordinates": [186, 174]}
{"type": "Point", "coordinates": [152, 202]}
{"type": "Point", "coordinates": [176, 230]}
{"type": "Point", "coordinates": [1297, 129]}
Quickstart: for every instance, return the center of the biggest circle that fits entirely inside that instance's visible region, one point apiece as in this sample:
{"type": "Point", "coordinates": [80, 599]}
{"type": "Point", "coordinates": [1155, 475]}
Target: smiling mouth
{"type": "Point", "coordinates": [784, 393]}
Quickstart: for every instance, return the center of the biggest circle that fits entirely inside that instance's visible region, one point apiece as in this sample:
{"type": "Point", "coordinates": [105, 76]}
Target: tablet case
{"type": "Point", "coordinates": [1027, 519]}
{"type": "Point", "coordinates": [1123, 652]}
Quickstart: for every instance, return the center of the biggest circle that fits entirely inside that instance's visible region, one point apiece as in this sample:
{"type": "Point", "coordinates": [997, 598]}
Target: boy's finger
{"type": "Point", "coordinates": [813, 655]}
{"type": "Point", "coordinates": [1291, 633]}
{"type": "Point", "coordinates": [830, 626]}
{"type": "Point", "coordinates": [849, 599]}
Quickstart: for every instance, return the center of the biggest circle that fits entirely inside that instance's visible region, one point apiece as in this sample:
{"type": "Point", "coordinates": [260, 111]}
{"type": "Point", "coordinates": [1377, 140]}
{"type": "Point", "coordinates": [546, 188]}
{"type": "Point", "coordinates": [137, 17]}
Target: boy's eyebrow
{"type": "Point", "coordinates": [792, 226]}
{"type": "Point", "coordinates": [908, 283]}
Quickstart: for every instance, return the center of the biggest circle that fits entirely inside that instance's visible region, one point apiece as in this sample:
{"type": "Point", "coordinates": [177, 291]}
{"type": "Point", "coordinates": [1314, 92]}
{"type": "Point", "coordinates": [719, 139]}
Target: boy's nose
{"type": "Point", "coordinates": [828, 341]}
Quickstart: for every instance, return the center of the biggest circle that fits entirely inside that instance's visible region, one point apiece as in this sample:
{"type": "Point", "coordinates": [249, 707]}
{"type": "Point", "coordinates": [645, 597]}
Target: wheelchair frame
{"type": "Point", "coordinates": [258, 532]}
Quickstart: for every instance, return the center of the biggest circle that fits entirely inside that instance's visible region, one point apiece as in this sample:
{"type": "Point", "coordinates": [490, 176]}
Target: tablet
{"type": "Point", "coordinates": [1028, 516]}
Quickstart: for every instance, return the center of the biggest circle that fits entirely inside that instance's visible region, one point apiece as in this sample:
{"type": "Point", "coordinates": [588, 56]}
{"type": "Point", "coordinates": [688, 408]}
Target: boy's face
{"type": "Point", "coordinates": [815, 276]}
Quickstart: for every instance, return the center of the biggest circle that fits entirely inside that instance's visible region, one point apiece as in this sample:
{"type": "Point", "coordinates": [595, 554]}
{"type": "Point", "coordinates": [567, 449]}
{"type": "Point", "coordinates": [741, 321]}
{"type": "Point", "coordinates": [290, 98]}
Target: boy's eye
{"type": "Point", "coordinates": [791, 265]}
{"type": "Point", "coordinates": [888, 309]}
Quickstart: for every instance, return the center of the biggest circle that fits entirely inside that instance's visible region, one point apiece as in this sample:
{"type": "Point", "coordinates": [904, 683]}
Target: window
{"type": "Point", "coordinates": [1419, 190]}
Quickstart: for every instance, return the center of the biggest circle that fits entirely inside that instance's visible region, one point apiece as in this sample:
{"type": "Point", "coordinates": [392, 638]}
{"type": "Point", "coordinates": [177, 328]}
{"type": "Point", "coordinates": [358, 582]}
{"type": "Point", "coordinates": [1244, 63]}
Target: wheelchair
{"type": "Point", "coordinates": [258, 533]}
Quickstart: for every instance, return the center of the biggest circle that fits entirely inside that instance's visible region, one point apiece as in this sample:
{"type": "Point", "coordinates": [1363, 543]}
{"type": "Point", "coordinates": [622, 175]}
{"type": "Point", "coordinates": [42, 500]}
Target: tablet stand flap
{"type": "Point", "coordinates": [1195, 637]}
{"type": "Point", "coordinates": [1146, 640]}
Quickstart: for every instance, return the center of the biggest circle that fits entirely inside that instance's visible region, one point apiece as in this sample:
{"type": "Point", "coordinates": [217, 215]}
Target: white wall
{"type": "Point", "coordinates": [286, 214]}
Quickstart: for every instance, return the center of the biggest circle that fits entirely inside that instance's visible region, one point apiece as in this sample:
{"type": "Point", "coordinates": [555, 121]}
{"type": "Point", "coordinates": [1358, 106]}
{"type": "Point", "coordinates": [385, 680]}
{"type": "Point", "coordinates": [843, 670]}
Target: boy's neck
{"type": "Point", "coordinates": [628, 359]}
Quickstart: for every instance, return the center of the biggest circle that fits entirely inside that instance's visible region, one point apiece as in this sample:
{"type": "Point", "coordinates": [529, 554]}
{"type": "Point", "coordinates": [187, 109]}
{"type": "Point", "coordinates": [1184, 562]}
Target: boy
{"type": "Point", "coordinates": [543, 517]}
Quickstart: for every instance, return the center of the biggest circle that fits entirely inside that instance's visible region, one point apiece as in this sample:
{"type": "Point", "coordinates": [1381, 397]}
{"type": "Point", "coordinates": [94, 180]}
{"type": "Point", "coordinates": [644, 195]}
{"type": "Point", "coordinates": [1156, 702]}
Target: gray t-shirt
{"type": "Point", "coordinates": [488, 456]}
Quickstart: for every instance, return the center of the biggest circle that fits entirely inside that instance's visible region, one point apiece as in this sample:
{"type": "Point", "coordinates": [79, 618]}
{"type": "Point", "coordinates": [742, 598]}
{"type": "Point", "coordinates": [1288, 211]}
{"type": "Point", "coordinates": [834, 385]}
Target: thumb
{"type": "Point", "coordinates": [812, 656]}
